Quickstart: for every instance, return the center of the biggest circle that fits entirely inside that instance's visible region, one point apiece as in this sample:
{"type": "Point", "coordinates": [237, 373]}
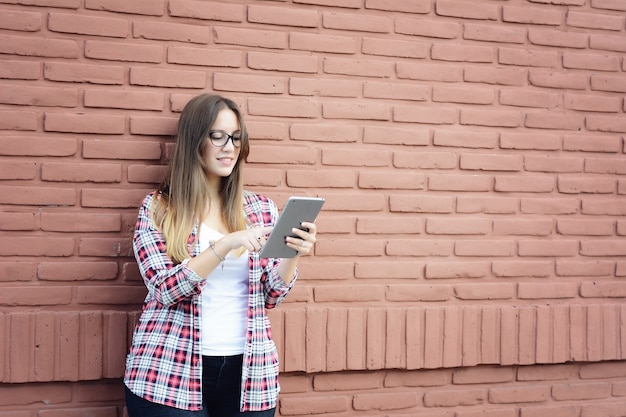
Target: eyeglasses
{"type": "Point", "coordinates": [220, 138]}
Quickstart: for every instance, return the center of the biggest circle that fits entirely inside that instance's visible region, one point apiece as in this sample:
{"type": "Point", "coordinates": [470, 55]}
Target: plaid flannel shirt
{"type": "Point", "coordinates": [164, 364]}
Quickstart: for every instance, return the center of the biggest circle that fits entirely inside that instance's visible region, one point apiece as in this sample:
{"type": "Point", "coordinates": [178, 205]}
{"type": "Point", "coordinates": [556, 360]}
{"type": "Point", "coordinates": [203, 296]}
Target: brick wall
{"type": "Point", "coordinates": [472, 154]}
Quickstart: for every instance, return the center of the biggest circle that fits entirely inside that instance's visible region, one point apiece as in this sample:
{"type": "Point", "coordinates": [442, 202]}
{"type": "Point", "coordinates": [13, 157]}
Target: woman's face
{"type": "Point", "coordinates": [221, 160]}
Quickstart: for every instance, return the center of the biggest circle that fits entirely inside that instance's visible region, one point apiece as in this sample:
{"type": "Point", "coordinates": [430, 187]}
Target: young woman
{"type": "Point", "coordinates": [202, 345]}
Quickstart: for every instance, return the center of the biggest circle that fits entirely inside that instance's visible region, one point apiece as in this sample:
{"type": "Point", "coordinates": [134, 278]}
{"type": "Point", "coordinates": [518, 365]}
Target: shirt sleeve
{"type": "Point", "coordinates": [167, 282]}
{"type": "Point", "coordinates": [274, 287]}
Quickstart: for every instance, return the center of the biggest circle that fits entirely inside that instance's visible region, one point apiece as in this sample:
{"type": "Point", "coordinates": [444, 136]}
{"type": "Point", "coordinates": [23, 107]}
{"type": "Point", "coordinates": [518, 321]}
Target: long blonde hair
{"type": "Point", "coordinates": [182, 196]}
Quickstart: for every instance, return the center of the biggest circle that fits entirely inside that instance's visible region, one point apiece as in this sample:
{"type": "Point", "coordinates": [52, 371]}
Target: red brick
{"type": "Point", "coordinates": [19, 221]}
{"type": "Point", "coordinates": [39, 47]}
{"type": "Point", "coordinates": [21, 21]}
{"type": "Point", "coordinates": [88, 25]}
{"type": "Point", "coordinates": [592, 103]}
{"type": "Point", "coordinates": [531, 15]}
{"type": "Point", "coordinates": [439, 270]}
{"type": "Point", "coordinates": [352, 67]}
{"type": "Point", "coordinates": [384, 401]}
{"type": "Point", "coordinates": [20, 70]}
{"type": "Point", "coordinates": [117, 51]}
{"type": "Point", "coordinates": [548, 164]}
{"type": "Point", "coordinates": [149, 174]}
{"type": "Point", "coordinates": [110, 294]}
{"type": "Point", "coordinates": [105, 247]}
{"type": "Point", "coordinates": [18, 120]}
{"type": "Point", "coordinates": [365, 23]}
{"type": "Point", "coordinates": [80, 222]}
{"type": "Point", "coordinates": [385, 135]}
{"type": "Point", "coordinates": [417, 6]}
{"type": "Point", "coordinates": [426, 115]}
{"type": "Point", "coordinates": [146, 7]}
{"type": "Point", "coordinates": [107, 411]}
{"type": "Point", "coordinates": [554, 120]}
{"type": "Point", "coordinates": [283, 16]}
{"type": "Point", "coordinates": [484, 292]}
{"type": "Point", "coordinates": [526, 184]}
{"type": "Point", "coordinates": [590, 143]}
{"type": "Point", "coordinates": [83, 73]}
{"type": "Point", "coordinates": [204, 10]}
{"type": "Point", "coordinates": [39, 96]}
{"type": "Point", "coordinates": [415, 293]}
{"type": "Point", "coordinates": [469, 139]}
{"type": "Point", "coordinates": [364, 158]}
{"type": "Point", "coordinates": [450, 398]}
{"type": "Point", "coordinates": [153, 126]}
{"type": "Point", "coordinates": [607, 42]}
{"type": "Point", "coordinates": [457, 226]}
{"type": "Point", "coordinates": [606, 124]}
{"type": "Point", "coordinates": [77, 271]}
{"type": "Point", "coordinates": [594, 21]}
{"type": "Point", "coordinates": [311, 405]}
{"type": "Point", "coordinates": [522, 268]}
{"type": "Point", "coordinates": [495, 118]}
{"type": "Point", "coordinates": [367, 180]}
{"type": "Point", "coordinates": [463, 95]}
{"type": "Point", "coordinates": [458, 182]}
{"type": "Point", "coordinates": [491, 162]}
{"type": "Point", "coordinates": [324, 179]}
{"type": "Point", "coordinates": [586, 227]}
{"type": "Point", "coordinates": [492, 33]}
{"type": "Point", "coordinates": [158, 77]}
{"type": "Point", "coordinates": [349, 247]}
{"type": "Point", "coordinates": [321, 132]}
{"type": "Point", "coordinates": [282, 108]}
{"type": "Point", "coordinates": [484, 248]}
{"type": "Point", "coordinates": [113, 149]}
{"type": "Point", "coordinates": [428, 28]}
{"type": "Point", "coordinates": [592, 62]}
{"type": "Point", "coordinates": [467, 11]}
{"type": "Point", "coordinates": [250, 37]}
{"type": "Point", "coordinates": [323, 88]}
{"type": "Point", "coordinates": [84, 123]}
{"type": "Point", "coordinates": [396, 91]}
{"type": "Point", "coordinates": [527, 290]}
{"type": "Point", "coordinates": [548, 248]}
{"type": "Point", "coordinates": [24, 296]}
{"type": "Point", "coordinates": [36, 196]}
{"type": "Point", "coordinates": [575, 185]}
{"type": "Point", "coordinates": [133, 100]}
{"type": "Point", "coordinates": [529, 99]}
{"type": "Point", "coordinates": [171, 32]}
{"type": "Point", "coordinates": [463, 53]}
{"type": "Point", "coordinates": [111, 198]}
{"type": "Point", "coordinates": [493, 205]}
{"type": "Point", "coordinates": [522, 227]}
{"type": "Point", "coordinates": [425, 160]}
{"type": "Point", "coordinates": [429, 72]}
{"type": "Point", "coordinates": [64, 172]}
{"type": "Point", "coordinates": [321, 43]}
{"type": "Point", "coordinates": [420, 247]}
{"type": "Point", "coordinates": [249, 83]}
{"type": "Point", "coordinates": [398, 48]}
{"type": "Point", "coordinates": [421, 204]}
{"type": "Point", "coordinates": [549, 37]}
{"type": "Point", "coordinates": [23, 394]}
{"type": "Point", "coordinates": [529, 58]}
{"type": "Point", "coordinates": [18, 171]}
{"type": "Point", "coordinates": [388, 270]}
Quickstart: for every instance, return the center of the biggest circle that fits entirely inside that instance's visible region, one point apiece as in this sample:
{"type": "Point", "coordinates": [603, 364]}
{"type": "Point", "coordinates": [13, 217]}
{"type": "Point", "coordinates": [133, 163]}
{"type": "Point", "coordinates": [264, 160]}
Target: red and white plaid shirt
{"type": "Point", "coordinates": [164, 364]}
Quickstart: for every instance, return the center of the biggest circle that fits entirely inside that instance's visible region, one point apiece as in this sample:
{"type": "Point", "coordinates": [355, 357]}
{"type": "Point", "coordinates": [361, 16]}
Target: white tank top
{"type": "Point", "coordinates": [224, 302]}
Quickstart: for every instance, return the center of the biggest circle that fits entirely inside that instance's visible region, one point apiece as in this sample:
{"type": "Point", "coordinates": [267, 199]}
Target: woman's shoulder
{"type": "Point", "coordinates": [259, 203]}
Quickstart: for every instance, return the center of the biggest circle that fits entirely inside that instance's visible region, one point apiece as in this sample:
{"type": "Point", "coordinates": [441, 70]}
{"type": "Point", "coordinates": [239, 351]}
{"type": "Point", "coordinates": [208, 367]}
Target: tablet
{"type": "Point", "coordinates": [296, 211]}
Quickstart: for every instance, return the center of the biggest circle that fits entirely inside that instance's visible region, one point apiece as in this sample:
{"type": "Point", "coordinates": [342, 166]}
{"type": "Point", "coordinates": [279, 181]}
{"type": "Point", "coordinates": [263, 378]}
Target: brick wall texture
{"type": "Point", "coordinates": [471, 259]}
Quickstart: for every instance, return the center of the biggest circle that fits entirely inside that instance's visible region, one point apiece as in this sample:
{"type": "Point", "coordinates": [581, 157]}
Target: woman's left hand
{"type": "Point", "coordinates": [305, 239]}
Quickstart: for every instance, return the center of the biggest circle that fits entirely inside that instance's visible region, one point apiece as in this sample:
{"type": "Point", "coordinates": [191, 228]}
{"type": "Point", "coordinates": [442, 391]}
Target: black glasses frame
{"type": "Point", "coordinates": [222, 141]}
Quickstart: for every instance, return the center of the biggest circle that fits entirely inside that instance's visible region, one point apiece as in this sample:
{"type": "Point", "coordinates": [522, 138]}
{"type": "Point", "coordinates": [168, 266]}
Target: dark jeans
{"type": "Point", "coordinates": [221, 388]}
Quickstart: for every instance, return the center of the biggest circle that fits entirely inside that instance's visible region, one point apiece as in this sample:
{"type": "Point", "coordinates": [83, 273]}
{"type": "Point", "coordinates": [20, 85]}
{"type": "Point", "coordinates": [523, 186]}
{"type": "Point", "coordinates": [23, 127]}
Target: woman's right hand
{"type": "Point", "coordinates": [252, 239]}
